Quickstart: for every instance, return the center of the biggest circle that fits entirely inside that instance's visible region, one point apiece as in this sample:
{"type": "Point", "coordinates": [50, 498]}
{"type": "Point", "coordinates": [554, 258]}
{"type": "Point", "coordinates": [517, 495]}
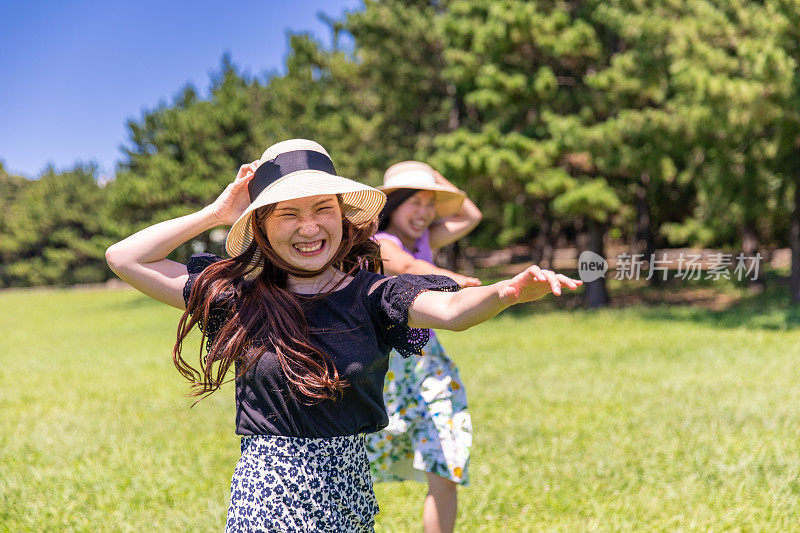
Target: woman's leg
{"type": "Point", "coordinates": [441, 503]}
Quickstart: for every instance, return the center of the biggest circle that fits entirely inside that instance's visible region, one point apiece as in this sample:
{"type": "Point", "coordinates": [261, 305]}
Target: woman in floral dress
{"type": "Point", "coordinates": [430, 431]}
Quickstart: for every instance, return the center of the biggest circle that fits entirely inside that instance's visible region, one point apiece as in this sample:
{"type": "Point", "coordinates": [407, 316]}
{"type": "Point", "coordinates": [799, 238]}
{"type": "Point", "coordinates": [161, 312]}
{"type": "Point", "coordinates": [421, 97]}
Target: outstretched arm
{"type": "Point", "coordinates": [460, 310]}
{"type": "Point", "coordinates": [397, 261]}
{"type": "Point", "coordinates": [140, 260]}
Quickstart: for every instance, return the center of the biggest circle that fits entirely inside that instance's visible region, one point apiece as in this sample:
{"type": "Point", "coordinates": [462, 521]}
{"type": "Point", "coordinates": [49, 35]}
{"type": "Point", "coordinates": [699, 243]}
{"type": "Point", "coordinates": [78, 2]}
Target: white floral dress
{"type": "Point", "coordinates": [430, 429]}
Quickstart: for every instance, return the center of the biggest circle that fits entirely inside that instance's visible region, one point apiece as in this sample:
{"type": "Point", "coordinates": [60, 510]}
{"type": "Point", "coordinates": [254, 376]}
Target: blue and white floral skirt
{"type": "Point", "coordinates": [302, 484]}
{"type": "Point", "coordinates": [430, 429]}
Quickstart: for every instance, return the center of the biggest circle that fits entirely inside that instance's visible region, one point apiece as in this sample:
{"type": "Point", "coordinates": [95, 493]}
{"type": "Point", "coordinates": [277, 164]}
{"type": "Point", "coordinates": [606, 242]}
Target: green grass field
{"type": "Point", "coordinates": [621, 420]}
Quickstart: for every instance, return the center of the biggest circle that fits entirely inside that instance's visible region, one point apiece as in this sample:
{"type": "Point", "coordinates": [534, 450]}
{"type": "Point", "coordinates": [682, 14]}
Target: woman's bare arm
{"type": "Point", "coordinates": [453, 228]}
{"type": "Point", "coordinates": [460, 310]}
{"type": "Point", "coordinates": [397, 261]}
{"type": "Point", "coordinates": [139, 260]}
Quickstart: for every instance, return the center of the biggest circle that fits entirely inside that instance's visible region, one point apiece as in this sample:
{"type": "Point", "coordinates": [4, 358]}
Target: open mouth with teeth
{"type": "Point", "coordinates": [418, 225]}
{"type": "Point", "coordinates": [309, 248]}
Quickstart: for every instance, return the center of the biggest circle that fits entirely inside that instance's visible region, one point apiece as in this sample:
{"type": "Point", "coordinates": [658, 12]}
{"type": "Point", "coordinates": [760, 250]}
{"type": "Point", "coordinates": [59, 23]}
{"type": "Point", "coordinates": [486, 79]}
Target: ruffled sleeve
{"type": "Point", "coordinates": [389, 304]}
{"type": "Point", "coordinates": [219, 309]}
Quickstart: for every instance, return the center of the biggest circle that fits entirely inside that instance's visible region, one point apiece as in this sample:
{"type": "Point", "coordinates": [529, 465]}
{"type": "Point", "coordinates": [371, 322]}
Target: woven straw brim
{"type": "Point", "coordinates": [446, 200]}
{"type": "Point", "coordinates": [362, 203]}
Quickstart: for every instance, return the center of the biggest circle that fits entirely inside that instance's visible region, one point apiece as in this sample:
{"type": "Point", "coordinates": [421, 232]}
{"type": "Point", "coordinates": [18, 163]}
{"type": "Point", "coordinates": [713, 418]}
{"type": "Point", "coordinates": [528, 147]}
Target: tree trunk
{"type": "Point", "coordinates": [542, 245]}
{"type": "Point", "coordinates": [645, 239]}
{"type": "Point", "coordinates": [454, 119]}
{"type": "Point", "coordinates": [449, 255]}
{"type": "Point", "coordinates": [596, 293]}
{"type": "Point", "coordinates": [794, 239]}
{"type": "Point", "coordinates": [549, 255]}
{"type": "Point", "coordinates": [750, 246]}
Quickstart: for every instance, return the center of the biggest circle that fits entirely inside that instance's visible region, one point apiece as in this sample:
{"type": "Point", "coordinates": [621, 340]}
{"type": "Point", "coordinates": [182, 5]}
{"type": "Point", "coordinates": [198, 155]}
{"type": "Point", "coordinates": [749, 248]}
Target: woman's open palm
{"type": "Point", "coordinates": [533, 283]}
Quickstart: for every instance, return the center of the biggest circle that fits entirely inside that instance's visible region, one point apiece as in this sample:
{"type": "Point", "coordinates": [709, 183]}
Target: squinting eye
{"type": "Point", "coordinates": [326, 208]}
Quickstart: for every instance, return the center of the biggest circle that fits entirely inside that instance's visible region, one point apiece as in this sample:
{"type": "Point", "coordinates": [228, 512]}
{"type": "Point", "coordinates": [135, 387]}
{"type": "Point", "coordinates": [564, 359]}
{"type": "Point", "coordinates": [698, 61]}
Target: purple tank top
{"type": "Point", "coordinates": [423, 245]}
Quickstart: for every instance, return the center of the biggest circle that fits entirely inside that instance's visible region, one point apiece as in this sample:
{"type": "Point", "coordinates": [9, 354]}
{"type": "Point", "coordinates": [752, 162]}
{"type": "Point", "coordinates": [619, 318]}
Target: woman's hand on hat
{"type": "Point", "coordinates": [235, 199]}
{"type": "Point", "coordinates": [533, 283]}
{"type": "Point", "coordinates": [441, 180]}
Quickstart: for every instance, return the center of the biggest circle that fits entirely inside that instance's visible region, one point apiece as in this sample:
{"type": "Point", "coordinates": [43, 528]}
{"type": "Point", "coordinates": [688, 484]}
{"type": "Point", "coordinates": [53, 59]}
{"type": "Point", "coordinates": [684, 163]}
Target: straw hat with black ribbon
{"type": "Point", "coordinates": [299, 168]}
{"type": "Point", "coordinates": [402, 180]}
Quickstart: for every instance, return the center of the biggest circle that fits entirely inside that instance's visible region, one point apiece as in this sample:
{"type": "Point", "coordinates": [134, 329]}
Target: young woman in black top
{"type": "Point", "coordinates": [307, 324]}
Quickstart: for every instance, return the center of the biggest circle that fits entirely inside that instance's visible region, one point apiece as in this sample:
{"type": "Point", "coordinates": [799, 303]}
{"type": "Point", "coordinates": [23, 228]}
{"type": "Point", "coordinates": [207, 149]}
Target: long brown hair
{"type": "Point", "coordinates": [263, 315]}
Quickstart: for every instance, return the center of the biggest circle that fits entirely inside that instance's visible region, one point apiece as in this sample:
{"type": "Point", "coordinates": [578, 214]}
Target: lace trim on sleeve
{"type": "Point", "coordinates": [398, 296]}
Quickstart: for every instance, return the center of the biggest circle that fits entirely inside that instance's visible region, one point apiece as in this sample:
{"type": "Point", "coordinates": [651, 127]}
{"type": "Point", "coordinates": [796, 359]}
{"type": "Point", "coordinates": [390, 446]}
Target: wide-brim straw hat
{"type": "Point", "coordinates": [421, 176]}
{"type": "Point", "coordinates": [299, 168]}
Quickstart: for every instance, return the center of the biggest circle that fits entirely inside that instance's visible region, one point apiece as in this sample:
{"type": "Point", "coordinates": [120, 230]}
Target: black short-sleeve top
{"type": "Point", "coordinates": [357, 330]}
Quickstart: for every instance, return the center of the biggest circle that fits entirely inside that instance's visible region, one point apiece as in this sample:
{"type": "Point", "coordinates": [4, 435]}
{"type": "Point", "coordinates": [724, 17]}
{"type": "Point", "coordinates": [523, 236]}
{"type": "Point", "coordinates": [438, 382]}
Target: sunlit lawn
{"type": "Point", "coordinates": [633, 419]}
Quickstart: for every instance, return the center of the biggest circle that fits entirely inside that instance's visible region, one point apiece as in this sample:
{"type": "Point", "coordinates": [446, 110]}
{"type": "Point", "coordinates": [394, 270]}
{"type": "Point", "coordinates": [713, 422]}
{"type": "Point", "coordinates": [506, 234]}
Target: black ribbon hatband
{"type": "Point", "coordinates": [286, 163]}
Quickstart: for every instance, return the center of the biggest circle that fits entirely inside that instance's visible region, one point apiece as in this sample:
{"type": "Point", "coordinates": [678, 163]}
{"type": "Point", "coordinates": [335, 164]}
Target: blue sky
{"type": "Point", "coordinates": [73, 72]}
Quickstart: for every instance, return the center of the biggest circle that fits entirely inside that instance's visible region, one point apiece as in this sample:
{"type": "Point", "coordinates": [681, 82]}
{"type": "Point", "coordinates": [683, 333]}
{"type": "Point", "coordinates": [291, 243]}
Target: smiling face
{"type": "Point", "coordinates": [307, 232]}
{"type": "Point", "coordinates": [411, 218]}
